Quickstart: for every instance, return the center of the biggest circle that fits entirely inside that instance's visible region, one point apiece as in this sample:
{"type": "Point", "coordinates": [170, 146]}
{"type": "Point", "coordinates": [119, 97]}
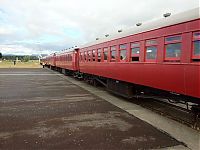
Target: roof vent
{"type": "Point", "coordinates": [166, 15]}
{"type": "Point", "coordinates": [97, 38]}
{"type": "Point", "coordinates": [138, 24]}
{"type": "Point", "coordinates": [119, 30]}
{"type": "Point", "coordinates": [106, 35]}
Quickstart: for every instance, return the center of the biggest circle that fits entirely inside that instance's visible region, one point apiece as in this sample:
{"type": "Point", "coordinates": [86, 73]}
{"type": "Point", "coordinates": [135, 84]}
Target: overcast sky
{"type": "Point", "coordinates": [45, 26]}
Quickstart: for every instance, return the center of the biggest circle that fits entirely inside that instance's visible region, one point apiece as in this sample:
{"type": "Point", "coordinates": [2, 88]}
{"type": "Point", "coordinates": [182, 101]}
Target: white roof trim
{"type": "Point", "coordinates": [151, 25]}
{"type": "Point", "coordinates": [67, 51]}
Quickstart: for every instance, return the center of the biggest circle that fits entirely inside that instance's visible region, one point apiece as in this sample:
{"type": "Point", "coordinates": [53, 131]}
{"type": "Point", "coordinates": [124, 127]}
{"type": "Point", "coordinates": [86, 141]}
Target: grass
{"type": "Point", "coordinates": [30, 64]}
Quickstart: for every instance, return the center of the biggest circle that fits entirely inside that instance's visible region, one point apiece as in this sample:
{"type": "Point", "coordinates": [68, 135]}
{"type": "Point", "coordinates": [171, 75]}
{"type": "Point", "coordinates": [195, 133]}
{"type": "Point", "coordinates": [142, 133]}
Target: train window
{"type": "Point", "coordinates": [135, 45]}
{"type": "Point", "coordinates": [85, 56]}
{"type": "Point", "coordinates": [123, 50]}
{"type": "Point", "coordinates": [80, 56]}
{"type": "Point", "coordinates": [173, 50]}
{"type": "Point", "coordinates": [173, 38]}
{"type": "Point", "coordinates": [122, 54]}
{"type": "Point", "coordinates": [151, 42]}
{"type": "Point", "coordinates": [113, 53]}
{"type": "Point", "coordinates": [105, 51]}
{"type": "Point", "coordinates": [106, 55]}
{"type": "Point", "coordinates": [151, 53]}
{"type": "Point", "coordinates": [122, 46]}
{"type": "Point", "coordinates": [113, 48]}
{"type": "Point", "coordinates": [94, 55]}
{"type": "Point", "coordinates": [89, 56]}
{"type": "Point", "coordinates": [135, 51]}
{"type": "Point", "coordinates": [196, 35]}
{"type": "Point", "coordinates": [99, 55]}
{"type": "Point", "coordinates": [196, 47]}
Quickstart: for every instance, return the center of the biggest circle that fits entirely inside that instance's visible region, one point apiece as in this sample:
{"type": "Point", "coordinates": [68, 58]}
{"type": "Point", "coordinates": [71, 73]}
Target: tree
{"type": "Point", "coordinates": [26, 58]}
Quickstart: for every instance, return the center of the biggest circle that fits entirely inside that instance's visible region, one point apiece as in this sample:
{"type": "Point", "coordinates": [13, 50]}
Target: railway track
{"type": "Point", "coordinates": [177, 112]}
{"type": "Point", "coordinates": [171, 111]}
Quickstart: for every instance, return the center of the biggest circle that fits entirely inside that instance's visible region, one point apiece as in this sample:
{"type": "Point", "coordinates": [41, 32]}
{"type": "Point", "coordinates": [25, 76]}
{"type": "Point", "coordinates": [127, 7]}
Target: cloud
{"type": "Point", "coordinates": [36, 26]}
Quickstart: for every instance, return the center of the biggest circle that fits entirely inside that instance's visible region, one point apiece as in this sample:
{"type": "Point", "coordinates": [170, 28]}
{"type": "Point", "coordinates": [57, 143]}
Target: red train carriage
{"type": "Point", "coordinates": [67, 61]}
{"type": "Point", "coordinates": [52, 60]}
{"type": "Point", "coordinates": [49, 60]}
{"type": "Point", "coordinates": [163, 56]}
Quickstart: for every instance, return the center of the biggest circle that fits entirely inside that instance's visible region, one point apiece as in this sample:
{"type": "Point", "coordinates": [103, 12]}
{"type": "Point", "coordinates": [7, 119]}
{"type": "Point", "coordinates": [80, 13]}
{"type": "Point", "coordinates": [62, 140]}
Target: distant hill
{"type": "Point", "coordinates": [20, 57]}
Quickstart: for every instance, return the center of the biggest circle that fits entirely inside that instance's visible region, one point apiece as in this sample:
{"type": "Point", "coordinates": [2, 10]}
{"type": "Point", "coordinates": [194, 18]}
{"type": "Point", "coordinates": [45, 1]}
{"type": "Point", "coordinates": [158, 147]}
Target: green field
{"type": "Point", "coordinates": [29, 64]}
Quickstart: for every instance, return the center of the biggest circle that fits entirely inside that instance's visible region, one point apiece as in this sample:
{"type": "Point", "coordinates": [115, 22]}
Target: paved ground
{"type": "Point", "coordinates": [41, 110]}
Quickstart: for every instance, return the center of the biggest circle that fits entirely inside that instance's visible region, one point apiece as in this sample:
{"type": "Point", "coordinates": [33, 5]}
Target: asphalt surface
{"type": "Point", "coordinates": [39, 109]}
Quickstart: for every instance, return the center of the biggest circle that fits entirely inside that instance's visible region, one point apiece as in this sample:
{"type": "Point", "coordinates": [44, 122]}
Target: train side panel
{"type": "Point", "coordinates": [68, 60]}
{"type": "Point", "coordinates": [174, 75]}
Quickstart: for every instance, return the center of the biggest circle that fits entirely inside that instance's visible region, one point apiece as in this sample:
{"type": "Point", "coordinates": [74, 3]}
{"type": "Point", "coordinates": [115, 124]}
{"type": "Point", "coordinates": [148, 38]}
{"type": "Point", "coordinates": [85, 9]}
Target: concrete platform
{"type": "Point", "coordinates": [40, 109]}
{"type": "Point", "coordinates": [190, 137]}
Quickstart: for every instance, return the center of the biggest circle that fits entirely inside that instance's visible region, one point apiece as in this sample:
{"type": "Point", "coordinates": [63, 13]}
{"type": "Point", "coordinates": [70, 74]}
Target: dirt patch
{"type": "Point", "coordinates": [55, 127]}
{"type": "Point", "coordinates": [140, 139]}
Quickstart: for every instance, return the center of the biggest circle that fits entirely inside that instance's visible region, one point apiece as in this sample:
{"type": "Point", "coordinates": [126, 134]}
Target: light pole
{"type": "Point", "coordinates": [38, 47]}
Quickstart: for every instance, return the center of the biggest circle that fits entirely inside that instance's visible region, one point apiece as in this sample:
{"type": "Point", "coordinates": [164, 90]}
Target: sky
{"type": "Point", "coordinates": [46, 26]}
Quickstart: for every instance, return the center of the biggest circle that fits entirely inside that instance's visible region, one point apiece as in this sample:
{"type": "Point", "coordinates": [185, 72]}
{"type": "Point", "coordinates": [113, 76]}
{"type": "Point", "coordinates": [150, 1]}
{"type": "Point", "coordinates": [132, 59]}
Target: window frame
{"type": "Point", "coordinates": [81, 56]}
{"type": "Point", "coordinates": [85, 56]}
{"type": "Point", "coordinates": [172, 42]}
{"type": "Point", "coordinates": [193, 41]}
{"type": "Point", "coordinates": [111, 50]}
{"type": "Point", "coordinates": [99, 52]}
{"type": "Point", "coordinates": [135, 55]}
{"type": "Point", "coordinates": [126, 48]}
{"type": "Point", "coordinates": [105, 49]}
{"type": "Point", "coordinates": [151, 45]}
{"type": "Point", "coordinates": [94, 55]}
{"type": "Point", "coordinates": [89, 52]}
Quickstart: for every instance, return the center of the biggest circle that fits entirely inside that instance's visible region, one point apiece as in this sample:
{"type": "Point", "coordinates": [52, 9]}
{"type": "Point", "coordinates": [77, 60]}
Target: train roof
{"type": "Point", "coordinates": [67, 51]}
{"type": "Point", "coordinates": [151, 25]}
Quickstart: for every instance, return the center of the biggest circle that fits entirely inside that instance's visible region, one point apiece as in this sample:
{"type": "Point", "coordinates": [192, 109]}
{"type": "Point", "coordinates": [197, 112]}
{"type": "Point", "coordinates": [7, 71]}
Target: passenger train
{"type": "Point", "coordinates": [154, 59]}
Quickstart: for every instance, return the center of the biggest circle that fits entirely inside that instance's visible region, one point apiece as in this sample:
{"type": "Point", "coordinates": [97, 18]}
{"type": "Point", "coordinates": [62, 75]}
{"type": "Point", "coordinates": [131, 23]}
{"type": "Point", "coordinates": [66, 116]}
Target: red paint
{"type": "Point", "coordinates": [181, 77]}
